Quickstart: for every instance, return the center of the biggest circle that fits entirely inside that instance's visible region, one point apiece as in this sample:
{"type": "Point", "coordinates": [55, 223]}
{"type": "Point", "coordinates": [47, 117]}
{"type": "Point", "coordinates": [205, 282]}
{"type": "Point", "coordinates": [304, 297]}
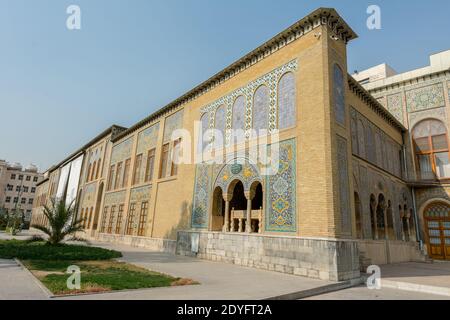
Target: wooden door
{"type": "Point", "coordinates": [437, 224]}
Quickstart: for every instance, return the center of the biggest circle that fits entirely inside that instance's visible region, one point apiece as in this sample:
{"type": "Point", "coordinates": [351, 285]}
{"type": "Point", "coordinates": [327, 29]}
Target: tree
{"type": "Point", "coordinates": [60, 224]}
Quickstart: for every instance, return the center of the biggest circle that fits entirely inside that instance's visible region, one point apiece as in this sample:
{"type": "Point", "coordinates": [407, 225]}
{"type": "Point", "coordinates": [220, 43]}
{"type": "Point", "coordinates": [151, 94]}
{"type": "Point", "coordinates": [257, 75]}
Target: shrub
{"type": "Point", "coordinates": [39, 250]}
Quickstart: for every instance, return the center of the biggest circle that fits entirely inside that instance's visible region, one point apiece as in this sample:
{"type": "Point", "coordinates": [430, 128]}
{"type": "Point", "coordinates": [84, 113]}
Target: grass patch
{"type": "Point", "coordinates": [100, 276]}
{"type": "Point", "coordinates": [98, 272]}
{"type": "Point", "coordinates": [38, 250]}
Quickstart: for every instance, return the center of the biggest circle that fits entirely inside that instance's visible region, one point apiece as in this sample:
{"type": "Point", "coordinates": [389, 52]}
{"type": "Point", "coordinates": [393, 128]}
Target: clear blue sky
{"type": "Point", "coordinates": [59, 88]}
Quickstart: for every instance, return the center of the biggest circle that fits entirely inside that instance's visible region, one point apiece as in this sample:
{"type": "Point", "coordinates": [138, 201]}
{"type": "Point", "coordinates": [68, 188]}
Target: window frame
{"type": "Point", "coordinates": [431, 152]}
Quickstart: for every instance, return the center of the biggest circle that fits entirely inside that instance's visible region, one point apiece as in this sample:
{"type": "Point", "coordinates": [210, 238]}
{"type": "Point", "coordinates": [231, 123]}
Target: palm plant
{"type": "Point", "coordinates": [59, 225]}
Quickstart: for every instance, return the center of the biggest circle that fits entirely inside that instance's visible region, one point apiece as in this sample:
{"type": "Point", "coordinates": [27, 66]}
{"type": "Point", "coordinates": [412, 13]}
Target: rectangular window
{"type": "Point", "coordinates": [105, 216]}
{"type": "Point", "coordinates": [175, 157]}
{"type": "Point", "coordinates": [130, 222]}
{"type": "Point", "coordinates": [442, 165]}
{"type": "Point", "coordinates": [17, 188]}
{"type": "Point", "coordinates": [137, 169]}
{"type": "Point", "coordinates": [23, 200]}
{"type": "Point", "coordinates": [422, 145]}
{"type": "Point", "coordinates": [110, 177]}
{"type": "Point", "coordinates": [10, 187]}
{"type": "Point", "coordinates": [30, 201]}
{"type": "Point", "coordinates": [16, 199]}
{"type": "Point", "coordinates": [425, 166]}
{"type": "Point", "coordinates": [13, 177]}
{"type": "Point", "coordinates": [119, 219]}
{"type": "Point", "coordinates": [126, 173]}
{"type": "Point", "coordinates": [111, 219]}
{"type": "Point", "coordinates": [118, 175]}
{"type": "Point", "coordinates": [8, 199]}
{"type": "Point", "coordinates": [33, 190]}
{"type": "Point", "coordinates": [150, 165]}
{"type": "Point", "coordinates": [25, 189]}
{"type": "Point", "coordinates": [35, 179]}
{"type": "Point", "coordinates": [143, 219]}
{"type": "Point", "coordinates": [20, 177]}
{"type": "Point", "coordinates": [28, 178]}
{"type": "Point", "coordinates": [164, 160]}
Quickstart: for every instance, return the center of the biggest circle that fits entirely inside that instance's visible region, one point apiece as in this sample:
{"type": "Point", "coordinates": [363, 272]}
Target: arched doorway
{"type": "Point", "coordinates": [238, 205]}
{"type": "Point", "coordinates": [358, 222]}
{"type": "Point", "coordinates": [437, 229]}
{"type": "Point", "coordinates": [97, 206]}
{"type": "Point", "coordinates": [218, 210]}
{"type": "Point", "coordinates": [257, 198]}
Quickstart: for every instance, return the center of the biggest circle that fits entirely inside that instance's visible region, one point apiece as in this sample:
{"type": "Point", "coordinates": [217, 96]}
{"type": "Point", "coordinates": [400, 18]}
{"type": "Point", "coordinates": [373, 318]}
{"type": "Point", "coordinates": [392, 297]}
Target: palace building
{"type": "Point", "coordinates": [360, 174]}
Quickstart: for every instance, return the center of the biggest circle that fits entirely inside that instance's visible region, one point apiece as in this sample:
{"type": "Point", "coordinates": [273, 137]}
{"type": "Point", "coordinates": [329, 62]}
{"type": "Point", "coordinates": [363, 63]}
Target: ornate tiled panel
{"type": "Point", "coordinates": [286, 101]}
{"type": "Point", "coordinates": [261, 101]}
{"type": "Point", "coordinates": [172, 123]}
{"type": "Point", "coordinates": [395, 106]}
{"type": "Point", "coordinates": [115, 198]}
{"type": "Point", "coordinates": [425, 98]}
{"type": "Point", "coordinates": [271, 80]}
{"type": "Point", "coordinates": [202, 193]}
{"type": "Point", "coordinates": [339, 95]}
{"type": "Point", "coordinates": [147, 139]}
{"type": "Point", "coordinates": [121, 151]}
{"type": "Point", "coordinates": [237, 169]}
{"type": "Point", "coordinates": [140, 194]}
{"type": "Point", "coordinates": [89, 195]}
{"type": "Point", "coordinates": [281, 209]}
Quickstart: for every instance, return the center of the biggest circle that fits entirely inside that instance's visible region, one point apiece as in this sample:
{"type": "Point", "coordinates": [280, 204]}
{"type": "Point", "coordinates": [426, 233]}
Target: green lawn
{"type": "Point", "coordinates": [99, 273]}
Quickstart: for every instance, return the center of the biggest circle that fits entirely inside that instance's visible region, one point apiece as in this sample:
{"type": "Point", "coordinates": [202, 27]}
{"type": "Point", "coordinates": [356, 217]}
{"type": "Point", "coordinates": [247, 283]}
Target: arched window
{"type": "Point", "coordinates": [339, 95]}
{"type": "Point", "coordinates": [220, 123]}
{"type": "Point", "coordinates": [286, 101]}
{"type": "Point", "coordinates": [202, 139]}
{"type": "Point", "coordinates": [361, 139]}
{"type": "Point", "coordinates": [431, 147]}
{"type": "Point", "coordinates": [370, 142]}
{"type": "Point", "coordinates": [260, 110]}
{"type": "Point", "coordinates": [354, 136]}
{"type": "Point", "coordinates": [381, 212]}
{"type": "Point", "coordinates": [239, 113]}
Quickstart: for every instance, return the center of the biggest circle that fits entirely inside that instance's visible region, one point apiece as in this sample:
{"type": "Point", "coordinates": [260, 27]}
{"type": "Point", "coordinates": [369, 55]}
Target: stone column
{"type": "Point", "coordinates": [386, 228]}
{"type": "Point", "coordinates": [226, 225]}
{"type": "Point", "coordinates": [248, 225]}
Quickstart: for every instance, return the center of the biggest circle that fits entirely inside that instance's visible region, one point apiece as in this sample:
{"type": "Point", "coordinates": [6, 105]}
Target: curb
{"type": "Point", "coordinates": [36, 280]}
{"type": "Point", "coordinates": [319, 290]}
{"type": "Point", "coordinates": [407, 286]}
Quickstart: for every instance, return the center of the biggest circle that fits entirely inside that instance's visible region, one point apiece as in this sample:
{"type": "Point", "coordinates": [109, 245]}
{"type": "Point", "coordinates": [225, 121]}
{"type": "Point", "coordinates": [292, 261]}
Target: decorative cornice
{"type": "Point", "coordinates": [400, 85]}
{"type": "Point", "coordinates": [320, 17]}
{"type": "Point", "coordinates": [113, 130]}
{"type": "Point", "coordinates": [373, 103]}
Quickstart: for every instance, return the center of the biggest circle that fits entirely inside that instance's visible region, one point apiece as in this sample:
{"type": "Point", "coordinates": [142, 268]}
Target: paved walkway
{"type": "Point", "coordinates": [362, 293]}
{"type": "Point", "coordinates": [18, 284]}
{"type": "Point", "coordinates": [432, 274]}
{"type": "Point", "coordinates": [218, 281]}
{"type": "Point", "coordinates": [420, 277]}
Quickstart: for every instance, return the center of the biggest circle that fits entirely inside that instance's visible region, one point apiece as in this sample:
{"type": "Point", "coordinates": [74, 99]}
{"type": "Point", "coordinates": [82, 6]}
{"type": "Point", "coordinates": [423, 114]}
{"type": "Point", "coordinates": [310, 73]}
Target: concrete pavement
{"type": "Point", "coordinates": [18, 284]}
{"type": "Point", "coordinates": [218, 281]}
{"type": "Point", "coordinates": [362, 293]}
